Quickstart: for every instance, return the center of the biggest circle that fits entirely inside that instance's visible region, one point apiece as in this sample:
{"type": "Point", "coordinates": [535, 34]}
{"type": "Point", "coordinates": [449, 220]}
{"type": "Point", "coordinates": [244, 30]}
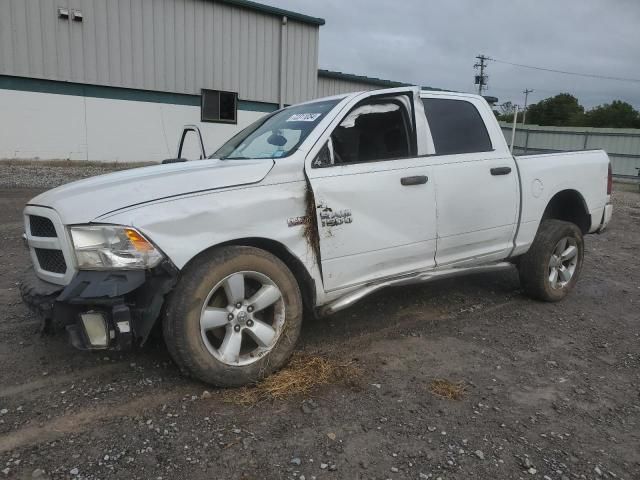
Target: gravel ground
{"type": "Point", "coordinates": [49, 174]}
{"type": "Point", "coordinates": [552, 390]}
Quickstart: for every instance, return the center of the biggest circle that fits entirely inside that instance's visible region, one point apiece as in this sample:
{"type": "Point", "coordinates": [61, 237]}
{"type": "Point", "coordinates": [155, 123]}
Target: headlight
{"type": "Point", "coordinates": [104, 247]}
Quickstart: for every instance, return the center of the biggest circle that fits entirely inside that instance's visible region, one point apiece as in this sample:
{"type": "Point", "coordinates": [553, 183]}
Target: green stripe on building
{"type": "Point", "coordinates": [24, 84]}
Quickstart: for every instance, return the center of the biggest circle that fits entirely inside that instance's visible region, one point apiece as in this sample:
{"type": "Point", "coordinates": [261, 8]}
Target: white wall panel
{"type": "Point", "coordinates": [51, 126]}
{"type": "Point", "coordinates": [42, 125]}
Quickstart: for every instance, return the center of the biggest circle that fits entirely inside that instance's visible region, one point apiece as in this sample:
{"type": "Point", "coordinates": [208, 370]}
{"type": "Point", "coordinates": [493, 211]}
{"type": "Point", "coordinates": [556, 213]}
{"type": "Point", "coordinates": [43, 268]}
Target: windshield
{"type": "Point", "coordinates": [277, 135]}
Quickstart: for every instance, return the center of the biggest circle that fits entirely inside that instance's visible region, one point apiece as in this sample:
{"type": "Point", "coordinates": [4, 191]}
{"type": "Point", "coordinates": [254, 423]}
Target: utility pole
{"type": "Point", "coordinates": [513, 128]}
{"type": "Point", "coordinates": [524, 110]}
{"type": "Point", "coordinates": [481, 80]}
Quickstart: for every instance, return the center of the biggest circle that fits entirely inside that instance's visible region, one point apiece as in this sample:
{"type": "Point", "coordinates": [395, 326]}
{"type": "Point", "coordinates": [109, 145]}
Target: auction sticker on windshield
{"type": "Point", "coordinates": [303, 117]}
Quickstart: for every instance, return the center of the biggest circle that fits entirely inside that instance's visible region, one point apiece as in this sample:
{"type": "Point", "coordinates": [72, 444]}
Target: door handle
{"type": "Point", "coordinates": [416, 180]}
{"type": "Point", "coordinates": [501, 171]}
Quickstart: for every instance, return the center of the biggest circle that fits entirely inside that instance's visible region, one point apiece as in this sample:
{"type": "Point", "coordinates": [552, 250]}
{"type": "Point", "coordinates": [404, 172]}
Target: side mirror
{"type": "Point", "coordinates": [190, 146]}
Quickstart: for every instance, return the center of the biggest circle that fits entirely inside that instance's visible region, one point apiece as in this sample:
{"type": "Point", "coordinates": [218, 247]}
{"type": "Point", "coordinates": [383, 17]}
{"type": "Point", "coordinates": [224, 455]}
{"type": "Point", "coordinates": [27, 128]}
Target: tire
{"type": "Point", "coordinates": [547, 254]}
{"type": "Point", "coordinates": [202, 301]}
{"type": "Point", "coordinates": [40, 299]}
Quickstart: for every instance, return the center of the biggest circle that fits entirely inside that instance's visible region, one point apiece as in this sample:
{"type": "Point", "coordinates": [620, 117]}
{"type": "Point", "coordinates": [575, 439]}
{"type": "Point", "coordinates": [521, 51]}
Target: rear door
{"type": "Point", "coordinates": [476, 181]}
{"type": "Point", "coordinates": [374, 195]}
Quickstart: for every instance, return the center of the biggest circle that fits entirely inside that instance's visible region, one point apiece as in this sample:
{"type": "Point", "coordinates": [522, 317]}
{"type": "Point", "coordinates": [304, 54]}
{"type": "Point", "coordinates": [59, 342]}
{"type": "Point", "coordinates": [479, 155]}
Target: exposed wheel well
{"type": "Point", "coordinates": [568, 205]}
{"type": "Point", "coordinates": [306, 283]}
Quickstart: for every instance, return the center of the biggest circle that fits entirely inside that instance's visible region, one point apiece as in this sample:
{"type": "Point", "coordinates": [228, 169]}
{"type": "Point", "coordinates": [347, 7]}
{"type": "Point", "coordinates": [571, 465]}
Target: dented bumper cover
{"type": "Point", "coordinates": [129, 302]}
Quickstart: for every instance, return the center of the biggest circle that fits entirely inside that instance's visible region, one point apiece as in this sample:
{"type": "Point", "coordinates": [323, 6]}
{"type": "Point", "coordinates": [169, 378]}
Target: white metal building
{"type": "Point", "coordinates": [115, 80]}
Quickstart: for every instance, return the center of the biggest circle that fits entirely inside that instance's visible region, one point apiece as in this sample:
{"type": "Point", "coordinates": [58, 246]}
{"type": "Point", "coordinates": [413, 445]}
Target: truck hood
{"type": "Point", "coordinates": [86, 200]}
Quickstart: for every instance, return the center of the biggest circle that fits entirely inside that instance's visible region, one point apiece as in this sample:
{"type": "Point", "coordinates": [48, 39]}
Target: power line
{"type": "Point", "coordinates": [564, 72]}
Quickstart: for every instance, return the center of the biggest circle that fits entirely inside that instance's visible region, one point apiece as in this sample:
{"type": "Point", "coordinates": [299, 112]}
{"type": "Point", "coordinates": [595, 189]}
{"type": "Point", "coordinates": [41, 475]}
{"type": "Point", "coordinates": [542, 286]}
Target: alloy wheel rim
{"type": "Point", "coordinates": [563, 263]}
{"type": "Point", "coordinates": [242, 318]}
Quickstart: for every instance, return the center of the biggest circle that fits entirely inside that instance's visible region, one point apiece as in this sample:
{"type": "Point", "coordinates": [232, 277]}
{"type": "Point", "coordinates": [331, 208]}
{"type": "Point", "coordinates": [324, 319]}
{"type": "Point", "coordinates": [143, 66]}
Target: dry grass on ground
{"type": "Point", "coordinates": [300, 377]}
{"type": "Point", "coordinates": [445, 389]}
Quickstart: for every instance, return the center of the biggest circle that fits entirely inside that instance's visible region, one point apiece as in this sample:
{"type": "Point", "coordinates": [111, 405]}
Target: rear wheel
{"type": "Point", "coordinates": [234, 316]}
{"type": "Point", "coordinates": [551, 267]}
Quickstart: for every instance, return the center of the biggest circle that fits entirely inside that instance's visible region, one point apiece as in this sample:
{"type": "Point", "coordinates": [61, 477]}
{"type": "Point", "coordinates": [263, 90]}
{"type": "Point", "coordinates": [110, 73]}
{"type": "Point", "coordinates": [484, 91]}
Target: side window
{"type": "Point", "coordinates": [456, 126]}
{"type": "Point", "coordinates": [370, 132]}
{"type": "Point", "coordinates": [218, 106]}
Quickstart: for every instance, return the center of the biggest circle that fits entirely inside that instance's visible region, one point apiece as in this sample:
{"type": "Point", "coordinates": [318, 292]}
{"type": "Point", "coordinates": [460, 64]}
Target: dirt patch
{"type": "Point", "coordinates": [89, 418]}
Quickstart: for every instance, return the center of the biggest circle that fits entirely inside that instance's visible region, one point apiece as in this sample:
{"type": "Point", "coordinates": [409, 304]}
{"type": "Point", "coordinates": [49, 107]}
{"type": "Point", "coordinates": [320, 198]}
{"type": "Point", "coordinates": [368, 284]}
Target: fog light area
{"type": "Point", "coordinates": [95, 326]}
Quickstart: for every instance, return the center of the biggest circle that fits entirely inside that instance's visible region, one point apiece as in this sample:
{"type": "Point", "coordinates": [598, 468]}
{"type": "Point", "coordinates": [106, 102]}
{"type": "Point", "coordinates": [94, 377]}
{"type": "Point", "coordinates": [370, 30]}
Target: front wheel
{"type": "Point", "coordinates": [550, 269]}
{"type": "Point", "coordinates": [234, 316]}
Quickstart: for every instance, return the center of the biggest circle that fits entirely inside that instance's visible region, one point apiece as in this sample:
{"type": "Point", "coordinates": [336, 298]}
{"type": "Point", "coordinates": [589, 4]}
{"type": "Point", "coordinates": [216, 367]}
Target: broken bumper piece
{"type": "Point", "coordinates": [99, 309]}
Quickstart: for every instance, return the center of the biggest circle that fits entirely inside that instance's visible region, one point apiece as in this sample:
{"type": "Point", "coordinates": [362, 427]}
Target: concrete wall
{"type": "Point", "coordinates": [53, 126]}
{"type": "Point", "coordinates": [178, 46]}
{"type": "Point", "coordinates": [621, 144]}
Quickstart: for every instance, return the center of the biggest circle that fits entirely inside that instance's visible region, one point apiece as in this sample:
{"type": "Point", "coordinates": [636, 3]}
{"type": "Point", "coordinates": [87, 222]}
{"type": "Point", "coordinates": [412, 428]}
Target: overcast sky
{"type": "Point", "coordinates": [434, 42]}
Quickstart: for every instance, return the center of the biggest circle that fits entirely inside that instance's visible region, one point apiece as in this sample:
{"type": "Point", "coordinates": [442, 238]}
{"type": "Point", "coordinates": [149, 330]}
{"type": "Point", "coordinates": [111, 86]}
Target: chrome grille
{"type": "Point", "coordinates": [41, 226]}
{"type": "Point", "coordinates": [51, 260]}
{"type": "Point", "coordinates": [49, 245]}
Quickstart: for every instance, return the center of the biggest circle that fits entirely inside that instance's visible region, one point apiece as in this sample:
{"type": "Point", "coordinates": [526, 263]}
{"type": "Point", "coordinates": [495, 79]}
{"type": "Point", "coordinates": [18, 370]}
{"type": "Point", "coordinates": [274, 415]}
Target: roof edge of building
{"type": "Point", "coordinates": [379, 82]}
{"type": "Point", "coordinates": [275, 11]}
{"type": "Point", "coordinates": [360, 78]}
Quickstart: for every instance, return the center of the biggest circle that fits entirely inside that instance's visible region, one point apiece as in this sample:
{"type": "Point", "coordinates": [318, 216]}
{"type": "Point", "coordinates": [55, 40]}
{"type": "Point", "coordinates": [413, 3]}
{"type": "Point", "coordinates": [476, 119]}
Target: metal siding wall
{"type": "Point", "coordinates": [48, 22]}
{"type": "Point", "coordinates": [177, 46]}
{"type": "Point", "coordinates": [622, 145]}
{"type": "Point", "coordinates": [333, 86]}
{"type": "Point", "coordinates": [301, 70]}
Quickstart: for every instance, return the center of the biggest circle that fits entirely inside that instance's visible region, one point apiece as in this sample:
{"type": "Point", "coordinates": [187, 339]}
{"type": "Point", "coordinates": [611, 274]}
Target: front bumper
{"type": "Point", "coordinates": [128, 302]}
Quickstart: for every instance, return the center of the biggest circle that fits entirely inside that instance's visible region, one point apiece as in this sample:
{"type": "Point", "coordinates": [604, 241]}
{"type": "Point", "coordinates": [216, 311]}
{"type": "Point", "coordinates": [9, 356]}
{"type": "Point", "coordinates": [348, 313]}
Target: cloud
{"type": "Point", "coordinates": [434, 42]}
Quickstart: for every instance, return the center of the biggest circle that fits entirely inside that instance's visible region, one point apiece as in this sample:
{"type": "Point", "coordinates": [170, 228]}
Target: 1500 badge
{"type": "Point", "coordinates": [329, 218]}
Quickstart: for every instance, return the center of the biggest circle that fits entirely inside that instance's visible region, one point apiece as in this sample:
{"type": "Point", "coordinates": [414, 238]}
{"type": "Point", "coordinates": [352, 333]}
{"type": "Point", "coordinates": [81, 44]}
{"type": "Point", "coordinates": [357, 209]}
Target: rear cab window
{"type": "Point", "coordinates": [456, 126]}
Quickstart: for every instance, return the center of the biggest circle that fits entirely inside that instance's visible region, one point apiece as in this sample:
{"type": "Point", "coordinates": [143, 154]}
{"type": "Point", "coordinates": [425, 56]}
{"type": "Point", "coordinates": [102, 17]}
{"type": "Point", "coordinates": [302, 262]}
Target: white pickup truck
{"type": "Point", "coordinates": [309, 209]}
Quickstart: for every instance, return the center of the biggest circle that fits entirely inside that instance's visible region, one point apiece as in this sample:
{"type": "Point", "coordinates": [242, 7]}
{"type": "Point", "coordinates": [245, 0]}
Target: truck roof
{"type": "Point", "coordinates": [440, 93]}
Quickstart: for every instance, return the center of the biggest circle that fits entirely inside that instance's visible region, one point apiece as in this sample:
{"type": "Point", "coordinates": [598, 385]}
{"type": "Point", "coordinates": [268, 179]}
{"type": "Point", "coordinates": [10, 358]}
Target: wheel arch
{"type": "Point", "coordinates": [569, 205]}
{"type": "Point", "coordinates": [297, 267]}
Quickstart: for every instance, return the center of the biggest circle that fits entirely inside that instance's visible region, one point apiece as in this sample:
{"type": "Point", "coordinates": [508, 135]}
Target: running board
{"type": "Point", "coordinates": [409, 279]}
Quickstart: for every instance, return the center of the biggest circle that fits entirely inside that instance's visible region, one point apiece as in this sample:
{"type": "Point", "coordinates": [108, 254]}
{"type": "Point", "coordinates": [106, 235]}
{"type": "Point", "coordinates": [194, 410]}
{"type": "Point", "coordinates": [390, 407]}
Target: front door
{"type": "Point", "coordinates": [374, 196]}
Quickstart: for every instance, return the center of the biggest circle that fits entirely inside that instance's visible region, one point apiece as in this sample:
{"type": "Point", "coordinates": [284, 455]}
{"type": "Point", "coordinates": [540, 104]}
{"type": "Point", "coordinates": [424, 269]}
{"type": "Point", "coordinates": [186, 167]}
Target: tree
{"type": "Point", "coordinates": [506, 112]}
{"type": "Point", "coordinates": [507, 108]}
{"type": "Point", "coordinates": [561, 110]}
{"type": "Point", "coordinates": [617, 114]}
